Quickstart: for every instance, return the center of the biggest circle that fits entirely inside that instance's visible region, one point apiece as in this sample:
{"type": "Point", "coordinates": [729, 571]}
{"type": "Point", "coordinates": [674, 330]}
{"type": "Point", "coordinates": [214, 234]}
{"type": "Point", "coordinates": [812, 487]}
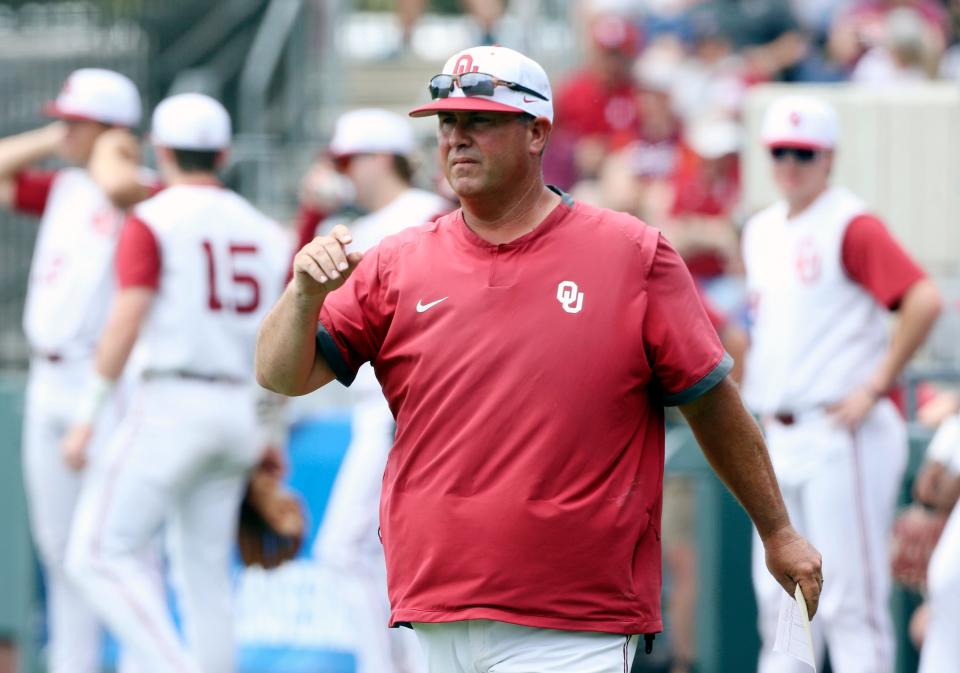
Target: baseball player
{"type": "Point", "coordinates": [526, 344]}
{"type": "Point", "coordinates": [197, 267]}
{"type": "Point", "coordinates": [937, 486]}
{"type": "Point", "coordinates": [70, 287]}
{"type": "Point", "coordinates": [823, 275]}
{"type": "Point", "coordinates": [372, 148]}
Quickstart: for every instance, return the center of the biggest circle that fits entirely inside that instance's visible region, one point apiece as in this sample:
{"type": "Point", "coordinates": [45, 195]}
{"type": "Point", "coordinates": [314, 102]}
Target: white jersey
{"type": "Point", "coordinates": [222, 266]}
{"type": "Point", "coordinates": [816, 334]}
{"type": "Point", "coordinates": [413, 207]}
{"type": "Point", "coordinates": [71, 277]}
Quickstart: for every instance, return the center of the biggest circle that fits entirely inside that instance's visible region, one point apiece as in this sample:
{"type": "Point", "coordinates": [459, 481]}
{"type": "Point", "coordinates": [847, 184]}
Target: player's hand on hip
{"type": "Point", "coordinates": [853, 409]}
{"type": "Point", "coordinates": [74, 446]}
{"type": "Point", "coordinates": [792, 560]}
{"type": "Point", "coordinates": [324, 264]}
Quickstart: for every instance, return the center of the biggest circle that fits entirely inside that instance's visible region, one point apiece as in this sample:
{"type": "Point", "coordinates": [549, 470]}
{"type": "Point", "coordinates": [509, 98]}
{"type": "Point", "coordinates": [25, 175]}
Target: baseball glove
{"type": "Point", "coordinates": [271, 522]}
{"type": "Point", "coordinates": [915, 534]}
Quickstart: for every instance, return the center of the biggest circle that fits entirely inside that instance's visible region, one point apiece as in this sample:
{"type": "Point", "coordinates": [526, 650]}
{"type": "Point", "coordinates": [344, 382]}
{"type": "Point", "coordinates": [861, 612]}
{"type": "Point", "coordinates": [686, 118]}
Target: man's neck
{"type": "Point", "coordinates": [194, 179]}
{"type": "Point", "coordinates": [798, 206]}
{"type": "Point", "coordinates": [501, 219]}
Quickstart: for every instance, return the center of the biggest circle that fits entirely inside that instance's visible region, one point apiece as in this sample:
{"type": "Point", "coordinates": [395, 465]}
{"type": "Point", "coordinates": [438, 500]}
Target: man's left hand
{"type": "Point", "coordinates": [792, 561]}
{"type": "Point", "coordinates": [852, 410]}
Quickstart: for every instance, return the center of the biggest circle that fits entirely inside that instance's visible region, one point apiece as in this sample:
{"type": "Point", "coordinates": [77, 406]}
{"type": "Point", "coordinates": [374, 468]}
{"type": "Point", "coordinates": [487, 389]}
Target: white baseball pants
{"type": "Point", "coordinates": [349, 546]}
{"type": "Point", "coordinates": [941, 645]}
{"type": "Point", "coordinates": [484, 646]}
{"type": "Point", "coordinates": [180, 459]}
{"type": "Point", "coordinates": [841, 490]}
{"type": "Point", "coordinates": [52, 490]}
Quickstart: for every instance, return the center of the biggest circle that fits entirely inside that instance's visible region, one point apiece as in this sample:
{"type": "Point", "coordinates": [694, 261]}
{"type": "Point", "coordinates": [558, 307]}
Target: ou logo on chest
{"type": "Point", "coordinates": [569, 296]}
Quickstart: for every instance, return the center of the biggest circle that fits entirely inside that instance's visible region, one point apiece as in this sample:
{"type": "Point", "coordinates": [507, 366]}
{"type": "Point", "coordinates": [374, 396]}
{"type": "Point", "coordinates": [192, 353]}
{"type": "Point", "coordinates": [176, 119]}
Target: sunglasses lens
{"type": "Point", "coordinates": [800, 154]}
{"type": "Point", "coordinates": [441, 86]}
{"type": "Point", "coordinates": [476, 84]}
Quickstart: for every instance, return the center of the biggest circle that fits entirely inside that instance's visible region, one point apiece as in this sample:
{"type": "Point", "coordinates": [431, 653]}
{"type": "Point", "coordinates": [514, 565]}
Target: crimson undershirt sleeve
{"type": "Point", "coordinates": [874, 259]}
{"type": "Point", "coordinates": [353, 320]}
{"type": "Point", "coordinates": [31, 189]}
{"type": "Point", "coordinates": [138, 255]}
{"type": "Point", "coordinates": [681, 343]}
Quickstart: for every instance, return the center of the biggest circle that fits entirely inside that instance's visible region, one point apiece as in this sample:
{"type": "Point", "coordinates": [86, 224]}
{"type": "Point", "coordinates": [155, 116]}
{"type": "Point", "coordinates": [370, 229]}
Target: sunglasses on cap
{"type": "Point", "coordinates": [802, 155]}
{"type": "Point", "coordinates": [474, 84]}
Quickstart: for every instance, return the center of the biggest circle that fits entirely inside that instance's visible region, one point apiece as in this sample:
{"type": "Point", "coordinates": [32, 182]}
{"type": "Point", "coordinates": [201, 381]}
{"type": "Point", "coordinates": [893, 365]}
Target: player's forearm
{"type": "Point", "coordinates": [734, 446]}
{"type": "Point", "coordinates": [918, 312]}
{"type": "Point", "coordinates": [24, 149]}
{"type": "Point", "coordinates": [287, 361]}
{"type": "Point", "coordinates": [129, 312]}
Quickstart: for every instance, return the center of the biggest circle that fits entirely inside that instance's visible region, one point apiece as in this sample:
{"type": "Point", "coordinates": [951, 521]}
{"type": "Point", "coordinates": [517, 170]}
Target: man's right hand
{"type": "Point", "coordinates": [324, 264]}
{"type": "Point", "coordinates": [792, 560]}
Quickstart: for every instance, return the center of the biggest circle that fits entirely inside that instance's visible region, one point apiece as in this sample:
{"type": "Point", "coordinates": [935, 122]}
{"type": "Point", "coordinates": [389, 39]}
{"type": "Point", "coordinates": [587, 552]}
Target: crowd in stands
{"type": "Point", "coordinates": [651, 123]}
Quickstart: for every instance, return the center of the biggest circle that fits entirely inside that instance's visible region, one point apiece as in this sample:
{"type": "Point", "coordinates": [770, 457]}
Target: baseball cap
{"type": "Point", "coordinates": [372, 131]}
{"type": "Point", "coordinates": [800, 121]}
{"type": "Point", "coordinates": [504, 64]}
{"type": "Point", "coordinates": [615, 33]}
{"type": "Point", "coordinates": [95, 94]}
{"type": "Point", "coordinates": [191, 121]}
{"type": "Point", "coordinates": [713, 137]}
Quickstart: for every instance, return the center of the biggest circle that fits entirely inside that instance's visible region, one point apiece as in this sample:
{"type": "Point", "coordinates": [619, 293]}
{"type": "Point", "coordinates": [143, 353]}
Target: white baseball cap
{"type": "Point", "coordinates": [506, 65]}
{"type": "Point", "coordinates": [800, 121]}
{"type": "Point", "coordinates": [372, 131]}
{"type": "Point", "coordinates": [94, 94]}
{"type": "Point", "coordinates": [191, 121]}
{"type": "Point", "coordinates": [713, 137]}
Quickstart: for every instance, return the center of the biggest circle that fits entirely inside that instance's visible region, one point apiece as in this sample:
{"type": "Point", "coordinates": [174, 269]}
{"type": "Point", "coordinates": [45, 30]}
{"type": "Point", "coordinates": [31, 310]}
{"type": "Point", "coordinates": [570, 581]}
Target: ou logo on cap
{"type": "Point", "coordinates": [569, 296]}
{"type": "Point", "coordinates": [465, 64]}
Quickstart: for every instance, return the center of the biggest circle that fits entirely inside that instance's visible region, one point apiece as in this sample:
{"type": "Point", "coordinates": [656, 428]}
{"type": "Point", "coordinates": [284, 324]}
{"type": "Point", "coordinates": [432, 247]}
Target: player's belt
{"type": "Point", "coordinates": [785, 418]}
{"type": "Point", "coordinates": [154, 374]}
{"type": "Point", "coordinates": [56, 357]}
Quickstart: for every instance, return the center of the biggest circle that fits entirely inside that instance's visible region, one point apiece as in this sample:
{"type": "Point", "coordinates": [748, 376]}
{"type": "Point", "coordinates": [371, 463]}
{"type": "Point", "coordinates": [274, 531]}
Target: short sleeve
{"type": "Point", "coordinates": [138, 256]}
{"type": "Point", "coordinates": [353, 320]}
{"type": "Point", "coordinates": [874, 259]}
{"type": "Point", "coordinates": [682, 345]}
{"type": "Point", "coordinates": [31, 189]}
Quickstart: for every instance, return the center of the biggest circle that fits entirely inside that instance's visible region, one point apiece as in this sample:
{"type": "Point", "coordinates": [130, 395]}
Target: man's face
{"type": "Point", "coordinates": [79, 140]}
{"type": "Point", "coordinates": [800, 173]}
{"type": "Point", "coordinates": [483, 151]}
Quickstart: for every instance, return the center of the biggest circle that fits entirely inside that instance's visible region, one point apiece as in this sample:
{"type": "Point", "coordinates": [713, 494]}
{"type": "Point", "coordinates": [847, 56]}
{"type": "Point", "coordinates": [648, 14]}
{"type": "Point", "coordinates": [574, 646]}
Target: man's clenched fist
{"type": "Point", "coordinates": [324, 264]}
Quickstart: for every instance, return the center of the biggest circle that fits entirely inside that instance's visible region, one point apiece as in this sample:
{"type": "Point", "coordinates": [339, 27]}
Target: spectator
{"type": "Point", "coordinates": [903, 55]}
{"type": "Point", "coordinates": [711, 76]}
{"type": "Point", "coordinates": [865, 26]}
{"type": "Point", "coordinates": [765, 32]}
{"type": "Point", "coordinates": [595, 104]}
{"type": "Point", "coordinates": [706, 192]}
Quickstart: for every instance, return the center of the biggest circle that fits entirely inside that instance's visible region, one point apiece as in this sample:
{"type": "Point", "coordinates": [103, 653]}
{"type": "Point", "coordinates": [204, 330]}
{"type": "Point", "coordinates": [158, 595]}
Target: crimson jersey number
{"type": "Point", "coordinates": [237, 251]}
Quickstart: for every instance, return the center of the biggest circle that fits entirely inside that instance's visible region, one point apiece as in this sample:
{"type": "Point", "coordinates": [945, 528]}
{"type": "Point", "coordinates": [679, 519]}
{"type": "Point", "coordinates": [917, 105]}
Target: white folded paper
{"type": "Point", "coordinates": [793, 629]}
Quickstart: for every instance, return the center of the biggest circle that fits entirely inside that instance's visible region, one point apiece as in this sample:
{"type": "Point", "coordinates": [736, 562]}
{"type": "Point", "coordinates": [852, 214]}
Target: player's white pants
{"type": "Point", "coordinates": [485, 646]}
{"type": "Point", "coordinates": [180, 459]}
{"type": "Point", "coordinates": [52, 490]}
{"type": "Point", "coordinates": [941, 645]}
{"type": "Point", "coordinates": [840, 489]}
{"type": "Point", "coordinates": [349, 545]}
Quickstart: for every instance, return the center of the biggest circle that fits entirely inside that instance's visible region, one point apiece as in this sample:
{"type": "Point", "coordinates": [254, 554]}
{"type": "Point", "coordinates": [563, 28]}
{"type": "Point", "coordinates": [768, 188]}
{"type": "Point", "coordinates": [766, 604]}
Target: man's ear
{"type": "Point", "coordinates": [222, 157]}
{"type": "Point", "coordinates": [539, 134]}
